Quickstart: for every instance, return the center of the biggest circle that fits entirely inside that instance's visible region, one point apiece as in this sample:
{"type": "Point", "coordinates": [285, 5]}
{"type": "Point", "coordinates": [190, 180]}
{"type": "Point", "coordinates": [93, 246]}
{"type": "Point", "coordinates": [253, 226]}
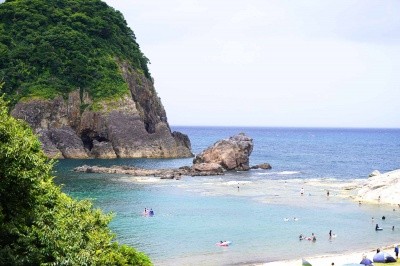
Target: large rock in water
{"type": "Point", "coordinates": [231, 154]}
{"type": "Point", "coordinates": [134, 126]}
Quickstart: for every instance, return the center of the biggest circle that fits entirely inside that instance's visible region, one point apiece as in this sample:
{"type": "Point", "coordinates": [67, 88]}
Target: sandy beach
{"type": "Point", "coordinates": [338, 259]}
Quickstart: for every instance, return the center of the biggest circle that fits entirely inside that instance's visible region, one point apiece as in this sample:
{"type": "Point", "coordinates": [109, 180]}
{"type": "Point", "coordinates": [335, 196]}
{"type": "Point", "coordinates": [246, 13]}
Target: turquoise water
{"type": "Point", "coordinates": [194, 213]}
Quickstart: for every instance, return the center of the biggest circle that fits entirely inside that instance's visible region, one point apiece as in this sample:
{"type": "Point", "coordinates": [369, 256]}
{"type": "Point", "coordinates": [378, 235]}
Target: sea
{"type": "Point", "coordinates": [261, 212]}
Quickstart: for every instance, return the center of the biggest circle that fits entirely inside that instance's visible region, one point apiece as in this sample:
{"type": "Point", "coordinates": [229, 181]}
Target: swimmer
{"type": "Point", "coordinates": [295, 219]}
{"type": "Point", "coordinates": [377, 227]}
{"type": "Point", "coordinates": [286, 219]}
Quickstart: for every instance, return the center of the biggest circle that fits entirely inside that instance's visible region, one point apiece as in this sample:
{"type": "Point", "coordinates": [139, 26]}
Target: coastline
{"type": "Point", "coordinates": [378, 189]}
{"type": "Point", "coordinates": [327, 259]}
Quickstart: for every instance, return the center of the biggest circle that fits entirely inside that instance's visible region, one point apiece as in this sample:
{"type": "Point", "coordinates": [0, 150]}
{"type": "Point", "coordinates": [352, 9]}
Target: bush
{"type": "Point", "coordinates": [40, 225]}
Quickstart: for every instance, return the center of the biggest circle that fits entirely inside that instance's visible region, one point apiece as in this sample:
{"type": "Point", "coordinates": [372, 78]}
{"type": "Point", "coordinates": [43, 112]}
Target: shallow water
{"type": "Point", "coordinates": [194, 213]}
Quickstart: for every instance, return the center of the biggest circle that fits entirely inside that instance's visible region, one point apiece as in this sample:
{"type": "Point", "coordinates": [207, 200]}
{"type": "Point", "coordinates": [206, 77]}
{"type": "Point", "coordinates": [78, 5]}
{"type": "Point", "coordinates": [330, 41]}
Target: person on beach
{"type": "Point", "coordinates": [330, 233]}
{"type": "Point", "coordinates": [396, 251]}
{"type": "Point", "coordinates": [365, 261]}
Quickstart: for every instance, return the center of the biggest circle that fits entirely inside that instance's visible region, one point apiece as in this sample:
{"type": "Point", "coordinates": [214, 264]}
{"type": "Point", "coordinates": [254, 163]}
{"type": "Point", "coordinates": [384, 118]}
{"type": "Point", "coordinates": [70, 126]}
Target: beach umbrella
{"type": "Point", "coordinates": [305, 263]}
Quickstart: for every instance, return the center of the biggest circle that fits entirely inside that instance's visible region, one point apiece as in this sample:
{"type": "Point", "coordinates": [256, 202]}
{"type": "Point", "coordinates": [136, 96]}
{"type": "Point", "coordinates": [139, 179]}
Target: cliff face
{"type": "Point", "coordinates": [134, 126]}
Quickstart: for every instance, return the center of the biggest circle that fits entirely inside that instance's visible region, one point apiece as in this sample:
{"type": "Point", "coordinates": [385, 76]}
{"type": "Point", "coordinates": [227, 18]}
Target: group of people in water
{"type": "Point", "coordinates": [287, 219]}
{"type": "Point", "coordinates": [148, 212]}
{"type": "Point", "coordinates": [313, 237]}
{"type": "Point", "coordinates": [377, 227]}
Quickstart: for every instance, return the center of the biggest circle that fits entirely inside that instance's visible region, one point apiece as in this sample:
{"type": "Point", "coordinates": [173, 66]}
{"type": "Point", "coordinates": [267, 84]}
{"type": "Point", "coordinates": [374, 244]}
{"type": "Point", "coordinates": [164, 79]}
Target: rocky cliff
{"type": "Point", "coordinates": [132, 126]}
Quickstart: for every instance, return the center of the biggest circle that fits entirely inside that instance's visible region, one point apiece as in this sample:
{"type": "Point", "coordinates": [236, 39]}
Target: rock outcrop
{"type": "Point", "coordinates": [383, 188]}
{"type": "Point", "coordinates": [133, 126]}
{"type": "Point", "coordinates": [374, 173]}
{"type": "Point", "coordinates": [263, 166]}
{"type": "Point", "coordinates": [230, 154]}
{"type": "Point", "coordinates": [162, 173]}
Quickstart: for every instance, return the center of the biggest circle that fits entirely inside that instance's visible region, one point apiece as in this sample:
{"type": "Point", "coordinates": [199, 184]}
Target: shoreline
{"type": "Point", "coordinates": [327, 259]}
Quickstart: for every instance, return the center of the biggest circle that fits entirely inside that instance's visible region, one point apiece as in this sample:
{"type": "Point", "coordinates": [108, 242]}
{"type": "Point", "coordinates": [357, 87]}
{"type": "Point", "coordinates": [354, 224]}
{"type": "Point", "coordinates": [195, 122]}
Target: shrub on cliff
{"type": "Point", "coordinates": [51, 47]}
{"type": "Point", "coordinates": [38, 223]}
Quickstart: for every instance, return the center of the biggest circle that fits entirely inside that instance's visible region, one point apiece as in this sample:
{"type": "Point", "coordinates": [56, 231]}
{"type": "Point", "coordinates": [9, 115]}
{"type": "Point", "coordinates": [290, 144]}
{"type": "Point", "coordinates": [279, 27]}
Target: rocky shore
{"type": "Point", "coordinates": [380, 188]}
{"type": "Point", "coordinates": [134, 171]}
{"type": "Point", "coordinates": [224, 155]}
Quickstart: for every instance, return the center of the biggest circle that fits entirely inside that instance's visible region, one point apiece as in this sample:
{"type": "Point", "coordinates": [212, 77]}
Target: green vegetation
{"type": "Point", "coordinates": [40, 225]}
{"type": "Point", "coordinates": [51, 47]}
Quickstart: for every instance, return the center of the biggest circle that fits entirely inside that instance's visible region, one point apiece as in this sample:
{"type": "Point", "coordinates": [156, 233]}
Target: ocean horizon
{"type": "Point", "coordinates": [194, 213]}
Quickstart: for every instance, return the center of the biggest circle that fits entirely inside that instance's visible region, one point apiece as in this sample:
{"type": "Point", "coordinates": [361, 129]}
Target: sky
{"type": "Point", "coordinates": [290, 63]}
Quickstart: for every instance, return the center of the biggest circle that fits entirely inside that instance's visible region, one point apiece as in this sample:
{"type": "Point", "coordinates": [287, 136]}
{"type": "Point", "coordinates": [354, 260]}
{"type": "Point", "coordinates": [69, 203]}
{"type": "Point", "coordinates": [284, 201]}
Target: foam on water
{"type": "Point", "coordinates": [288, 173]}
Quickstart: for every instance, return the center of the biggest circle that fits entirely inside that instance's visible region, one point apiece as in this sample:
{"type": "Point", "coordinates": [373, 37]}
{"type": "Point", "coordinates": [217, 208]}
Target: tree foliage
{"type": "Point", "coordinates": [51, 47]}
{"type": "Point", "coordinates": [40, 225]}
